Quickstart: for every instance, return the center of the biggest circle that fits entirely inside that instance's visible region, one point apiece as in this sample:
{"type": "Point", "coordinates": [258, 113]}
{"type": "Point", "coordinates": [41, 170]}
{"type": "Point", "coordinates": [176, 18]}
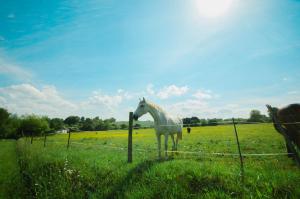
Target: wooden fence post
{"type": "Point", "coordinates": [31, 140]}
{"type": "Point", "coordinates": [45, 138]}
{"type": "Point", "coordinates": [130, 137]}
{"type": "Point", "coordinates": [69, 138]}
{"type": "Point", "coordinates": [239, 149]}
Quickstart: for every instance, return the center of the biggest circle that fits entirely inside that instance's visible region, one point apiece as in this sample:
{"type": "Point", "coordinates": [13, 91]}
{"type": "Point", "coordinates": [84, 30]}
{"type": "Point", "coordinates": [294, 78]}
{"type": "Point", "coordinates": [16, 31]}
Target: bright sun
{"type": "Point", "coordinates": [213, 8]}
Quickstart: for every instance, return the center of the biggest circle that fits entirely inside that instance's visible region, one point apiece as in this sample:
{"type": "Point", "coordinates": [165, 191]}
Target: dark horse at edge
{"type": "Point", "coordinates": [289, 120]}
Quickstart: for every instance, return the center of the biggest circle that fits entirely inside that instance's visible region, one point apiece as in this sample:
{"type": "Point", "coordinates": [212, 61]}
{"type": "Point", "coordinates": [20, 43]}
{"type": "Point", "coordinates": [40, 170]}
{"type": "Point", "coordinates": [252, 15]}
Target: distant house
{"type": "Point", "coordinates": [62, 131]}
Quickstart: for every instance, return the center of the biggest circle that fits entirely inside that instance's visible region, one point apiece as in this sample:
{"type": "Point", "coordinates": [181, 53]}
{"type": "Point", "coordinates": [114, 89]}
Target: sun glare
{"type": "Point", "coordinates": [213, 8]}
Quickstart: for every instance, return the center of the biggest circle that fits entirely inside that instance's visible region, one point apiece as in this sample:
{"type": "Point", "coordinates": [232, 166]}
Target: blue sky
{"type": "Point", "coordinates": [98, 57]}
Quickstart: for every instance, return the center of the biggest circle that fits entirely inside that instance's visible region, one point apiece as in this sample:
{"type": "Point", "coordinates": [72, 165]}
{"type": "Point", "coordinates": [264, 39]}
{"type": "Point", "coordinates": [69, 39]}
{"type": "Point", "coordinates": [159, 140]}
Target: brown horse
{"type": "Point", "coordinates": [289, 117]}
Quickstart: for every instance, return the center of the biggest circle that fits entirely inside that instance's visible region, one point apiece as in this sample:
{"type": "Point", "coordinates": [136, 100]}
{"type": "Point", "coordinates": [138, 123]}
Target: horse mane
{"type": "Point", "coordinates": [152, 105]}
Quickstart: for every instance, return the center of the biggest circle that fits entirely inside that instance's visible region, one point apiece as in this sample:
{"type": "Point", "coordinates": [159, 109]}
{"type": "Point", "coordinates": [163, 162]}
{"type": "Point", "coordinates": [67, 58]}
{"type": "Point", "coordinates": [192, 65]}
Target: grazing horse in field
{"type": "Point", "coordinates": [289, 116]}
{"type": "Point", "coordinates": [164, 124]}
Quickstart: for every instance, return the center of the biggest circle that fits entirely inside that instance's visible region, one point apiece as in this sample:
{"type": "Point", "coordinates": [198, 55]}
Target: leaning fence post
{"type": "Point", "coordinates": [45, 138]}
{"type": "Point", "coordinates": [69, 138]}
{"type": "Point", "coordinates": [239, 149]}
{"type": "Point", "coordinates": [130, 137]}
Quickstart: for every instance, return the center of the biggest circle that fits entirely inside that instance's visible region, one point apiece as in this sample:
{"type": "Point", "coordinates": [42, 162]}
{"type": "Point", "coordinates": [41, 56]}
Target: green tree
{"type": "Point", "coordinates": [4, 115]}
{"type": "Point", "coordinates": [106, 125]}
{"type": "Point", "coordinates": [203, 122]}
{"type": "Point", "coordinates": [124, 126]}
{"type": "Point", "coordinates": [212, 122]}
{"type": "Point", "coordinates": [9, 125]}
{"type": "Point", "coordinates": [114, 126]}
{"type": "Point", "coordinates": [56, 124]}
{"type": "Point", "coordinates": [110, 120]}
{"type": "Point", "coordinates": [256, 116]}
{"type": "Point", "coordinates": [13, 127]}
{"type": "Point", "coordinates": [33, 124]}
{"type": "Point", "coordinates": [193, 121]}
{"type": "Point", "coordinates": [72, 120]}
{"type": "Point", "coordinates": [88, 125]}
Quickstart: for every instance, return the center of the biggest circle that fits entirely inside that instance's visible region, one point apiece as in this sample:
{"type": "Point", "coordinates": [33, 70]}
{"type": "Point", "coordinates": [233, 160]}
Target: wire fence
{"type": "Point", "coordinates": [198, 153]}
{"type": "Point", "coordinates": [195, 154]}
{"type": "Point", "coordinates": [183, 152]}
{"type": "Point", "coordinates": [224, 123]}
{"type": "Point", "coordinates": [211, 141]}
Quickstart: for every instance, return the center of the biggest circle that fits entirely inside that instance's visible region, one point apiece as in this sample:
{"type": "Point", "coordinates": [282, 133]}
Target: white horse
{"type": "Point", "coordinates": [164, 124]}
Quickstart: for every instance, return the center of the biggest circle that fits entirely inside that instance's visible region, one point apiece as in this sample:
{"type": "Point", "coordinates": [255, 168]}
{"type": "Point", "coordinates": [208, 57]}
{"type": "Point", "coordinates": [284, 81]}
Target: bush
{"type": "Point", "coordinates": [9, 125]}
{"type": "Point", "coordinates": [34, 125]}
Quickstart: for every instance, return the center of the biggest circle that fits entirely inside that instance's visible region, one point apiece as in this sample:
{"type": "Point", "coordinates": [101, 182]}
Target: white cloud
{"type": "Point", "coordinates": [187, 107]}
{"type": "Point", "coordinates": [149, 89]}
{"type": "Point", "coordinates": [167, 91]}
{"type": "Point", "coordinates": [47, 100]}
{"type": "Point", "coordinates": [204, 109]}
{"type": "Point", "coordinates": [293, 92]}
{"type": "Point", "coordinates": [202, 95]}
{"type": "Point", "coordinates": [109, 101]}
{"type": "Point", "coordinates": [125, 95]}
{"type": "Point", "coordinates": [27, 99]}
{"type": "Point", "coordinates": [13, 70]}
{"type": "Point", "coordinates": [105, 105]}
{"type": "Point", "coordinates": [198, 105]}
{"type": "Point", "coordinates": [172, 90]}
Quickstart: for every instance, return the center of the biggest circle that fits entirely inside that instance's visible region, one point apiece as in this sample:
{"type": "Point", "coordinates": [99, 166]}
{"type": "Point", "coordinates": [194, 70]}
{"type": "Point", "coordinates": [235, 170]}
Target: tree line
{"type": "Point", "coordinates": [14, 126]}
{"type": "Point", "coordinates": [255, 116]}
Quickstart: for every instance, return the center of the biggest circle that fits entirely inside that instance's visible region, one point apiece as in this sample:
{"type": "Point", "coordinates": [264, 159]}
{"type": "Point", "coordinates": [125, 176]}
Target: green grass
{"type": "Point", "coordinates": [9, 175]}
{"type": "Point", "coordinates": [95, 167]}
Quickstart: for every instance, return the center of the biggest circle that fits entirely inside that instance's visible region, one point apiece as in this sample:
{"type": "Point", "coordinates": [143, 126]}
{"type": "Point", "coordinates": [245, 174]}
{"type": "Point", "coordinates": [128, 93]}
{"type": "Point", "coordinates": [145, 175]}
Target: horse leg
{"type": "Point", "coordinates": [174, 145]}
{"type": "Point", "coordinates": [288, 150]}
{"type": "Point", "coordinates": [159, 145]}
{"type": "Point", "coordinates": [166, 145]}
{"type": "Point", "coordinates": [173, 141]}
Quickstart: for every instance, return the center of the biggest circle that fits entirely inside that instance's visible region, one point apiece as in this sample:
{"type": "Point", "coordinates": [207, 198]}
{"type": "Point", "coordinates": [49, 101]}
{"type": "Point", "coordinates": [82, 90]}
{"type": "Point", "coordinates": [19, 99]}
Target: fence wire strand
{"type": "Point", "coordinates": [198, 153]}
{"type": "Point", "coordinates": [224, 123]}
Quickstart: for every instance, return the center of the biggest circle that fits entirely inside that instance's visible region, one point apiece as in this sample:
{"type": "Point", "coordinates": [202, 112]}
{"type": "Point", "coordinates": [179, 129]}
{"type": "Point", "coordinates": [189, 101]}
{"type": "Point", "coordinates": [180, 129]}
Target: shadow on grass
{"type": "Point", "coordinates": [132, 176]}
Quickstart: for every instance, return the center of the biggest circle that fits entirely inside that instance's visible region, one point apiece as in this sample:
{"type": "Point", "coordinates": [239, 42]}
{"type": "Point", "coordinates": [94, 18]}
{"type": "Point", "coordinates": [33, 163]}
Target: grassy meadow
{"type": "Point", "coordinates": [95, 165]}
{"type": "Point", "coordinates": [10, 186]}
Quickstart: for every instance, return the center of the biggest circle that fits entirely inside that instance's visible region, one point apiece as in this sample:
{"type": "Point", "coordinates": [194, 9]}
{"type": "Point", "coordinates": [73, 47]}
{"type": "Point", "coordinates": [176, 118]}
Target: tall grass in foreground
{"type": "Point", "coordinates": [10, 186]}
{"type": "Point", "coordinates": [93, 168]}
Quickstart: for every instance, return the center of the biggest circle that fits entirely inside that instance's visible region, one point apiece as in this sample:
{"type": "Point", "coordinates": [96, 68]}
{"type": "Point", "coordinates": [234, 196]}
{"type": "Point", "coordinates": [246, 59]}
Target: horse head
{"type": "Point", "coordinates": [141, 109]}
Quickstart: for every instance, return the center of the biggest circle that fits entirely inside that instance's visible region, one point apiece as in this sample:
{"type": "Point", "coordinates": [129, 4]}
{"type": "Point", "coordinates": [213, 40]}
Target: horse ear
{"type": "Point", "coordinates": [144, 99]}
